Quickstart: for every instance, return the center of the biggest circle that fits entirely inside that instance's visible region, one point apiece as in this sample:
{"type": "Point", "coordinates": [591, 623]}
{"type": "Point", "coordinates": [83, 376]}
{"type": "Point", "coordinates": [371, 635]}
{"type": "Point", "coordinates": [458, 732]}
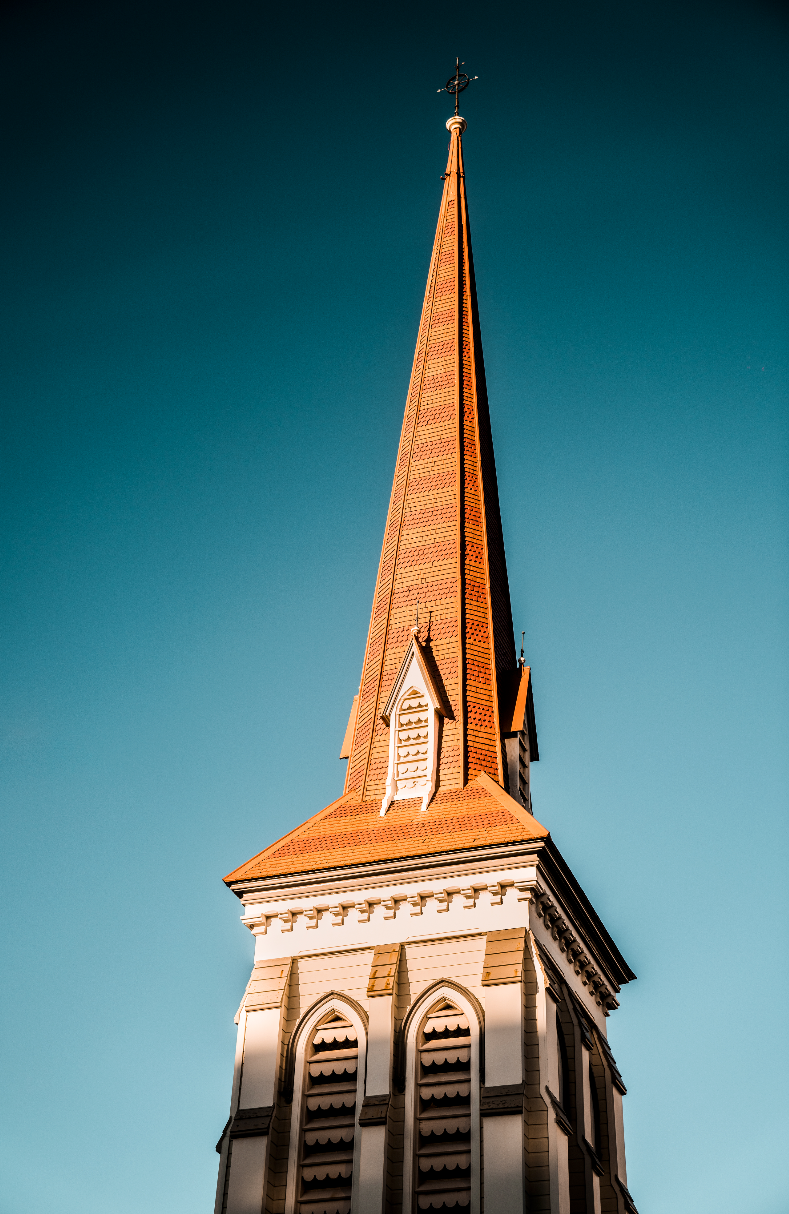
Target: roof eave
{"type": "Point", "coordinates": [371, 868]}
{"type": "Point", "coordinates": [571, 893]}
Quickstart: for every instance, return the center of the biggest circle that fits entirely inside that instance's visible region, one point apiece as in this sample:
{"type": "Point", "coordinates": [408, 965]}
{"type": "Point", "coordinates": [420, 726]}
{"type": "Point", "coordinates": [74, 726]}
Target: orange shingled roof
{"type": "Point", "coordinates": [350, 831]}
{"type": "Point", "coordinates": [443, 546]}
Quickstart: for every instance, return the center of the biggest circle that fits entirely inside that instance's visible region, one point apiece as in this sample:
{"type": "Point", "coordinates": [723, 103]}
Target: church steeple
{"type": "Point", "coordinates": [425, 961]}
{"type": "Point", "coordinates": [443, 548]}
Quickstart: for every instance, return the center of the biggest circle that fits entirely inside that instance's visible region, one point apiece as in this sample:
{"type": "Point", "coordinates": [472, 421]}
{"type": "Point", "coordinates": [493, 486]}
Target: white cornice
{"type": "Point", "coordinates": [383, 872]}
{"type": "Point", "coordinates": [396, 904]}
{"type": "Point", "coordinates": [569, 921]}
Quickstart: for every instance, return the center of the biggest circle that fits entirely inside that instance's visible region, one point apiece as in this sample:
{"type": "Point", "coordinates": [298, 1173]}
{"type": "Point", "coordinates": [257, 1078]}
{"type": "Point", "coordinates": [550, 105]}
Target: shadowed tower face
{"type": "Point", "coordinates": [425, 1023]}
{"type": "Point", "coordinates": [443, 546]}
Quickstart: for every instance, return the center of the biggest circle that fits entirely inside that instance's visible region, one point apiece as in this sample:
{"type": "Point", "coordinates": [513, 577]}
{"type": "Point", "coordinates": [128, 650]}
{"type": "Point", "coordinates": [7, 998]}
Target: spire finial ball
{"type": "Point", "coordinates": [456, 123]}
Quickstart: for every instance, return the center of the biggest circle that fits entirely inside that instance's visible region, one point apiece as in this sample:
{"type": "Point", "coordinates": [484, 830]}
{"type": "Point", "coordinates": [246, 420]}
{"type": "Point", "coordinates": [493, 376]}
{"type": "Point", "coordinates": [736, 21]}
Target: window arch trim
{"type": "Point", "coordinates": [344, 1006]}
{"type": "Point", "coordinates": [434, 988]}
{"type": "Point", "coordinates": [289, 1070]}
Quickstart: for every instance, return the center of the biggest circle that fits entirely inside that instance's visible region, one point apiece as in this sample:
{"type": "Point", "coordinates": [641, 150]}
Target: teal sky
{"type": "Point", "coordinates": [216, 232]}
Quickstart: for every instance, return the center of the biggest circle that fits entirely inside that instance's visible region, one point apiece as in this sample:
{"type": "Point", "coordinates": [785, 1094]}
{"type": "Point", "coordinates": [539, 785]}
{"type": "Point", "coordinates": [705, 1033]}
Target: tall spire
{"type": "Point", "coordinates": [443, 543]}
{"type": "Point", "coordinates": [444, 718]}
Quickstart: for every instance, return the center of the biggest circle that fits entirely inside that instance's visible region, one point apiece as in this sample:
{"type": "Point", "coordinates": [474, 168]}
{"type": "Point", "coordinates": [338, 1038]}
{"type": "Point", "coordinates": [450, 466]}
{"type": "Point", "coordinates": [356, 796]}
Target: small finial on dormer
{"type": "Point", "coordinates": [415, 629]}
{"type": "Point", "coordinates": [523, 635]}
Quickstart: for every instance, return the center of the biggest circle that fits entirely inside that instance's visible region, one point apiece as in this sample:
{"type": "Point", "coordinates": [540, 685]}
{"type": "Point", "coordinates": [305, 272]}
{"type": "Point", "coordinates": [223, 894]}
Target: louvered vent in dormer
{"type": "Point", "coordinates": [413, 725]}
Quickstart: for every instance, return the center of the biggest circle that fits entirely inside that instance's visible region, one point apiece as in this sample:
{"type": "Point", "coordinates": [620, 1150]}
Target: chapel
{"type": "Point", "coordinates": [425, 1024]}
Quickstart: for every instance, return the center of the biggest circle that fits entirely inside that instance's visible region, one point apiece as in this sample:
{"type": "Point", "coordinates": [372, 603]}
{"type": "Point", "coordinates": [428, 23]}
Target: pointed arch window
{"type": "Point", "coordinates": [327, 1124]}
{"type": "Point", "coordinates": [442, 1103]}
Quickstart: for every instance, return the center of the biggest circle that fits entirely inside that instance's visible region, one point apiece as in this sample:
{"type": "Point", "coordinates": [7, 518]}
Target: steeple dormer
{"type": "Point", "coordinates": [412, 713]}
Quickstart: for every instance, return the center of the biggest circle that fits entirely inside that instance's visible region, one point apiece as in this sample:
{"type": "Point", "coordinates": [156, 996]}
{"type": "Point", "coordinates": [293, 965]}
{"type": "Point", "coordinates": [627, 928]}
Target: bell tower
{"type": "Point", "coordinates": [425, 1024]}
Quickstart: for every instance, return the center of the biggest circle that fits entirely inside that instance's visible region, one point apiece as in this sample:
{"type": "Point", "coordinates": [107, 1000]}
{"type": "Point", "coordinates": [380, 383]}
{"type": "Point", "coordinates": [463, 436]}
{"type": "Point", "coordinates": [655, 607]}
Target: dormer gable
{"type": "Point", "coordinates": [411, 712]}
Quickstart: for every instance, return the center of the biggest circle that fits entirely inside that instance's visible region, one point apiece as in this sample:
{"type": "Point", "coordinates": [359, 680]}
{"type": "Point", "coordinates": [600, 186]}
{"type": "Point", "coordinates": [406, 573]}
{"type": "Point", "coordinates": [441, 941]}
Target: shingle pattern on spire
{"type": "Point", "coordinates": [443, 544]}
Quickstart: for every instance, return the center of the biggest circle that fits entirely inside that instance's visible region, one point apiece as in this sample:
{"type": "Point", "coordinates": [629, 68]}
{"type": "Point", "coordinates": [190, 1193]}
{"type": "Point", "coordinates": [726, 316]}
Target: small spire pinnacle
{"type": "Point", "coordinates": [457, 83]}
{"type": "Point", "coordinates": [523, 635]}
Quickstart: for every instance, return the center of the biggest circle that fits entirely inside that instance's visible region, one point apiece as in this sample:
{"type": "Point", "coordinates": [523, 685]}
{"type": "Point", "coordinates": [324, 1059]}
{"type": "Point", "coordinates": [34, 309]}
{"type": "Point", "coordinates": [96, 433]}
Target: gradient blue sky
{"type": "Point", "coordinates": [218, 220]}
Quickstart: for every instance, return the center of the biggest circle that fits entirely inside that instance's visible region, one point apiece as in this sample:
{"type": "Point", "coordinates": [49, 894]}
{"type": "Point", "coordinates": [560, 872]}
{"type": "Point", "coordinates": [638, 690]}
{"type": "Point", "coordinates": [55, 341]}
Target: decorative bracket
{"type": "Point", "coordinates": [579, 959]}
{"type": "Point", "coordinates": [257, 924]}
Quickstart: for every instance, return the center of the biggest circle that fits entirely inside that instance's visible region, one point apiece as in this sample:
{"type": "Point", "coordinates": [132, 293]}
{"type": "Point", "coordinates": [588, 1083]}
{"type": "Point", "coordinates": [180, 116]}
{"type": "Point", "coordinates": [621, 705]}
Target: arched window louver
{"type": "Point", "coordinates": [328, 1119]}
{"type": "Point", "coordinates": [442, 1167]}
{"type": "Point", "coordinates": [412, 740]}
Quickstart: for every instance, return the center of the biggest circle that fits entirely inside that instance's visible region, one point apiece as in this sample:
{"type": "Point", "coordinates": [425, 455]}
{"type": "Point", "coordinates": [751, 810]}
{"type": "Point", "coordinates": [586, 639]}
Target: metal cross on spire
{"type": "Point", "coordinates": [455, 85]}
